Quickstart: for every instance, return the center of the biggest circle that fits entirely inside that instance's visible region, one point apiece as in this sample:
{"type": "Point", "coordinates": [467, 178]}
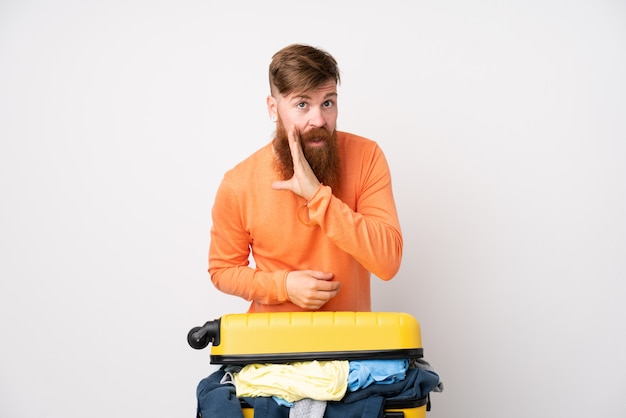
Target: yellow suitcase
{"type": "Point", "coordinates": [282, 337]}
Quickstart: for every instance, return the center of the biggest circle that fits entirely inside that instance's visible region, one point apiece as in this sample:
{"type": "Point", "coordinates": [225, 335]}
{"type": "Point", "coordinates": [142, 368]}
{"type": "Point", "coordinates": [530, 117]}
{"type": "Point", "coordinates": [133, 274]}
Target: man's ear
{"type": "Point", "coordinates": [272, 108]}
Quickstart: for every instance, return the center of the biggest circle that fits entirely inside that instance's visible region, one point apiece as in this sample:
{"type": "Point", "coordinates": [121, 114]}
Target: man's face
{"type": "Point", "coordinates": [315, 108]}
{"type": "Point", "coordinates": [314, 115]}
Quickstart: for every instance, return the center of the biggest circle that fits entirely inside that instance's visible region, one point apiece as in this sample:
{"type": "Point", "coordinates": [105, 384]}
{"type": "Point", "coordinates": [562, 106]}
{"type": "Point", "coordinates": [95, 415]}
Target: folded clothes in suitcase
{"type": "Point", "coordinates": [288, 337]}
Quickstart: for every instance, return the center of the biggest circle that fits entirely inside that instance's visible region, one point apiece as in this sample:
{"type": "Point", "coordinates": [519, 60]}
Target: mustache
{"type": "Point", "coordinates": [316, 134]}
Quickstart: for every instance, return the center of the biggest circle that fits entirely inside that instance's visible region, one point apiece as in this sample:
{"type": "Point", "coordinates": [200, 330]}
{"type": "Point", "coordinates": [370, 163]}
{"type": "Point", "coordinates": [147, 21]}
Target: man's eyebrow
{"type": "Point", "coordinates": [301, 97]}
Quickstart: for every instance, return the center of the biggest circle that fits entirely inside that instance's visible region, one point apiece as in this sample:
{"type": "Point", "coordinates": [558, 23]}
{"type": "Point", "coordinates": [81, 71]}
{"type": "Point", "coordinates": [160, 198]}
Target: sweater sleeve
{"type": "Point", "coordinates": [371, 233]}
{"type": "Point", "coordinates": [229, 253]}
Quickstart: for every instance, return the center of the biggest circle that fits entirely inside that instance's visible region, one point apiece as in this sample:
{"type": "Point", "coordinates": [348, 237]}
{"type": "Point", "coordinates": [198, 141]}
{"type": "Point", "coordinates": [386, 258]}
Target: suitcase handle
{"type": "Point", "coordinates": [200, 337]}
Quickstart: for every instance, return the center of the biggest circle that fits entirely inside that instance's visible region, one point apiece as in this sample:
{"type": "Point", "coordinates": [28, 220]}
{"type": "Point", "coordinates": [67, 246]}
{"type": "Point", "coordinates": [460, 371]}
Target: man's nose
{"type": "Point", "coordinates": [316, 119]}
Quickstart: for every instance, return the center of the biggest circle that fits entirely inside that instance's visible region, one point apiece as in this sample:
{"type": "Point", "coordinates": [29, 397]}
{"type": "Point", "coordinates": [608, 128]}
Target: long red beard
{"type": "Point", "coordinates": [324, 160]}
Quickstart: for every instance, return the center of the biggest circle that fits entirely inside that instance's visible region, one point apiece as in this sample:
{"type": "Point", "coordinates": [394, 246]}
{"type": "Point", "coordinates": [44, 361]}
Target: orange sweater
{"type": "Point", "coordinates": [350, 235]}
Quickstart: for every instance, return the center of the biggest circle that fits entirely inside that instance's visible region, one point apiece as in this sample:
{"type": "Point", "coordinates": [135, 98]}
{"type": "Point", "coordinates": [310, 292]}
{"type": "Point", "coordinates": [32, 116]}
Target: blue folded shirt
{"type": "Point", "coordinates": [366, 372]}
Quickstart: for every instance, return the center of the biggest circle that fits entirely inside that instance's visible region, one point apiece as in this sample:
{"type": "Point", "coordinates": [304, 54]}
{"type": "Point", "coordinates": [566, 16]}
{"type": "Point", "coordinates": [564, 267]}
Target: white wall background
{"type": "Point", "coordinates": [504, 124]}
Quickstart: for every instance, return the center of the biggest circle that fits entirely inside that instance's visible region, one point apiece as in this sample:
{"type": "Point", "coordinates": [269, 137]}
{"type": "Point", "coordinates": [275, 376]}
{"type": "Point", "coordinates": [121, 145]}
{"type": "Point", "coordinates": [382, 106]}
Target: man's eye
{"type": "Point", "coordinates": [301, 105]}
{"type": "Point", "coordinates": [328, 103]}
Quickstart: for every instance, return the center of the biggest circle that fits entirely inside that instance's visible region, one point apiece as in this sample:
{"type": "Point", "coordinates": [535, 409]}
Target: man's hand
{"type": "Point", "coordinates": [304, 183]}
{"type": "Point", "coordinates": [311, 289]}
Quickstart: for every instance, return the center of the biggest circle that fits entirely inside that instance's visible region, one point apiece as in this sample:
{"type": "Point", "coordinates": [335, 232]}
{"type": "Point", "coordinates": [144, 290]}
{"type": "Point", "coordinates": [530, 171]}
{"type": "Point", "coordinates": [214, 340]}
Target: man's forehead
{"type": "Point", "coordinates": [325, 91]}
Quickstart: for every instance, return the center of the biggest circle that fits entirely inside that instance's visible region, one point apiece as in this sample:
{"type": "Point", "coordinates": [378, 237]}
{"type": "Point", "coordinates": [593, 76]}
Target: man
{"type": "Point", "coordinates": [314, 207]}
